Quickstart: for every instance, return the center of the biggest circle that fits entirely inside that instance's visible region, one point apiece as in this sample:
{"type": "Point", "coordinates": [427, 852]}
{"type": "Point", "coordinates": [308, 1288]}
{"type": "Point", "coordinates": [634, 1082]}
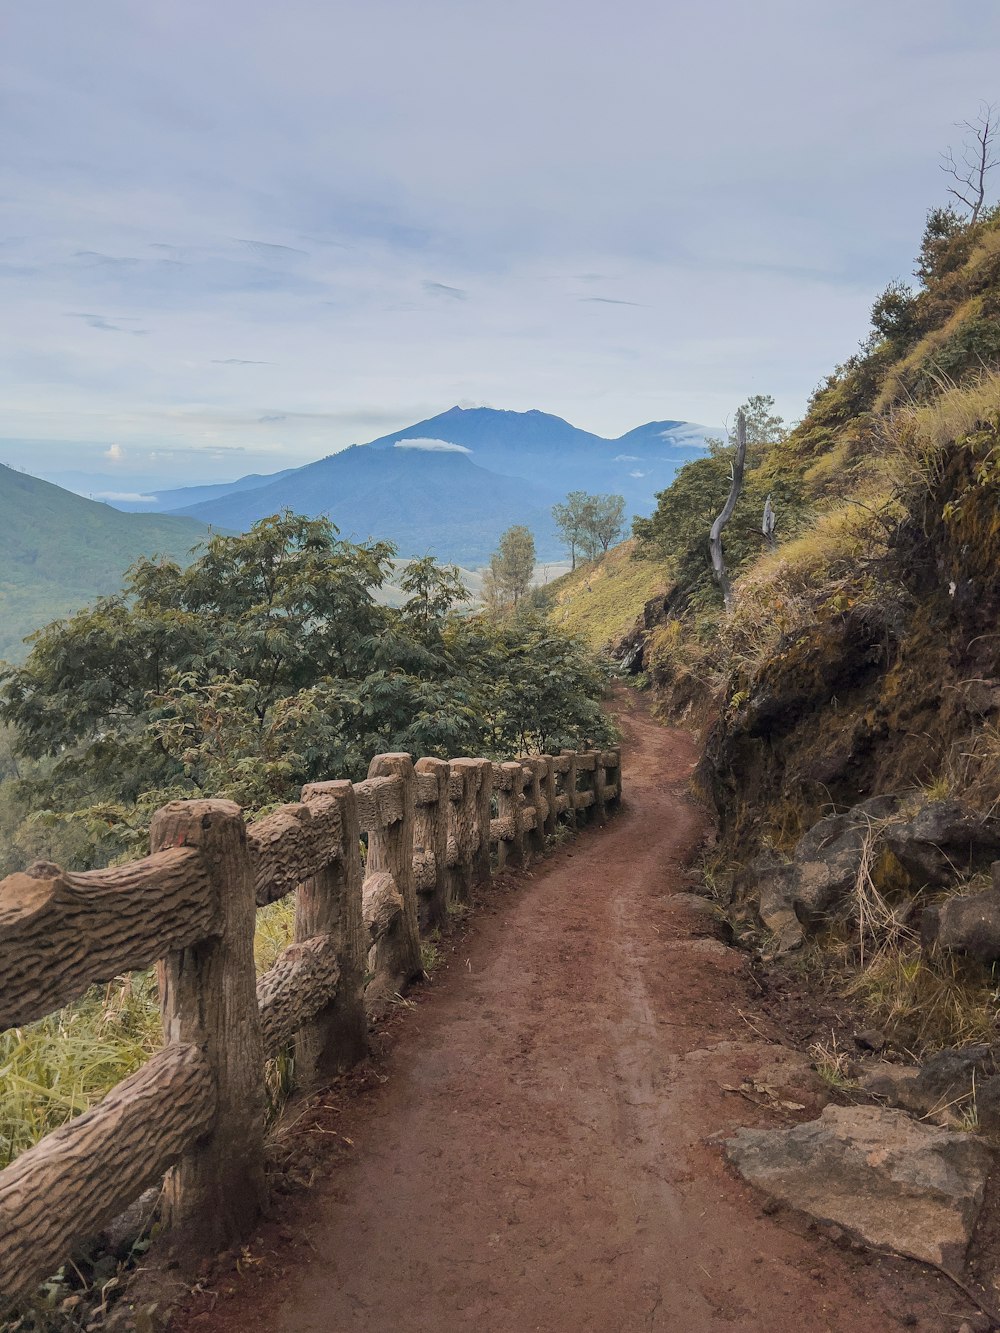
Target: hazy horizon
{"type": "Point", "coordinates": [238, 238]}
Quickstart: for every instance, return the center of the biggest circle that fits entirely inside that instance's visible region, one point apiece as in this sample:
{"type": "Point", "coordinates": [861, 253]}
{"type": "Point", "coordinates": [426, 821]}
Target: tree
{"type": "Point", "coordinates": [573, 519]}
{"type": "Point", "coordinates": [266, 664]}
{"type": "Point", "coordinates": [590, 523]}
{"type": "Point", "coordinates": [608, 520]}
{"type": "Point", "coordinates": [977, 159]}
{"type": "Point", "coordinates": [893, 313]}
{"type": "Point", "coordinates": [685, 511]}
{"type": "Point", "coordinates": [512, 567]}
{"type": "Point", "coordinates": [762, 424]}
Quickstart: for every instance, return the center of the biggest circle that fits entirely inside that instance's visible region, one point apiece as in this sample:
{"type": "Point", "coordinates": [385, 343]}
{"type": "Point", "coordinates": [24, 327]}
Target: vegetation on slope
{"type": "Point", "coordinates": [59, 551]}
{"type": "Point", "coordinates": [602, 599]}
{"type": "Point", "coordinates": [861, 655]}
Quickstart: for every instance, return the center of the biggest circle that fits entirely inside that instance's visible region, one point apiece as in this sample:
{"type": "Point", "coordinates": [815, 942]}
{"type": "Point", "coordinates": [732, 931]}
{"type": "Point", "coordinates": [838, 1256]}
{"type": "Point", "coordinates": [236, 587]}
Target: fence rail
{"type": "Point", "coordinates": [194, 1113]}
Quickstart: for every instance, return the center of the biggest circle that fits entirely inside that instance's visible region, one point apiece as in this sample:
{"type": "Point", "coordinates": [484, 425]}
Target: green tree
{"type": "Point", "coordinates": [266, 664]}
{"type": "Point", "coordinates": [574, 521]}
{"type": "Point", "coordinates": [511, 568]}
{"type": "Point", "coordinates": [589, 523]}
{"type": "Point", "coordinates": [608, 522]}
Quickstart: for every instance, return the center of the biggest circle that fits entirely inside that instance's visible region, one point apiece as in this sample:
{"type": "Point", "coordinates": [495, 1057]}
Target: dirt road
{"type": "Point", "coordinates": [537, 1157]}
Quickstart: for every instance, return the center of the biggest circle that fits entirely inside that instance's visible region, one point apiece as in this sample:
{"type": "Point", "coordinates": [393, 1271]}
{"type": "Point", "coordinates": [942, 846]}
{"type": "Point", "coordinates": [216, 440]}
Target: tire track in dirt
{"type": "Point", "coordinates": [537, 1158]}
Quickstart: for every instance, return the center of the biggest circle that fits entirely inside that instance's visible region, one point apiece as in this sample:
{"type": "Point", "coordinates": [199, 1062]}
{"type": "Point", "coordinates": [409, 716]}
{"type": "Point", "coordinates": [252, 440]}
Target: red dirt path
{"type": "Point", "coordinates": [537, 1157]}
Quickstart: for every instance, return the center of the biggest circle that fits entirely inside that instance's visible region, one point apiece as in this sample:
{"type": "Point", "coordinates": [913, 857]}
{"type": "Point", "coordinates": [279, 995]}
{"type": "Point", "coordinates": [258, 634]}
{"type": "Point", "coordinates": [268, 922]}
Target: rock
{"type": "Point", "coordinates": [776, 910]}
{"type": "Point", "coordinates": [121, 1234]}
{"type": "Point", "coordinates": [941, 1090]}
{"type": "Point", "coordinates": [955, 1073]}
{"type": "Point", "coordinates": [968, 923]}
{"type": "Point", "coordinates": [944, 841]}
{"type": "Point", "coordinates": [828, 858]}
{"type": "Point", "coordinates": [894, 1084]}
{"type": "Point", "coordinates": [988, 1105]}
{"type": "Point", "coordinates": [870, 1040]}
{"type": "Point", "coordinates": [787, 1077]}
{"type": "Point", "coordinates": [892, 1182]}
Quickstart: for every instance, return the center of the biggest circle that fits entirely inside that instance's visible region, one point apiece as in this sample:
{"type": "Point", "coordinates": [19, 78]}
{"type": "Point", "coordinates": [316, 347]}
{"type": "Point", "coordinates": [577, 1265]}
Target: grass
{"type": "Point", "coordinates": [832, 1063]}
{"type": "Point", "coordinates": [601, 599]}
{"type": "Point", "coordinates": [53, 1070]}
{"type": "Point", "coordinates": [825, 566]}
{"type": "Point", "coordinates": [926, 1003]}
{"type": "Point", "coordinates": [430, 953]}
{"type": "Point", "coordinates": [922, 356]}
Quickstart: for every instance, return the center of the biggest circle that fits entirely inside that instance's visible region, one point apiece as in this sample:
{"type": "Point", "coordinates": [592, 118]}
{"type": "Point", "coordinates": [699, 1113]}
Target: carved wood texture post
{"type": "Point", "coordinates": [430, 846]}
{"type": "Point", "coordinates": [390, 851]}
{"type": "Point", "coordinates": [208, 998]}
{"type": "Point", "coordinates": [329, 903]}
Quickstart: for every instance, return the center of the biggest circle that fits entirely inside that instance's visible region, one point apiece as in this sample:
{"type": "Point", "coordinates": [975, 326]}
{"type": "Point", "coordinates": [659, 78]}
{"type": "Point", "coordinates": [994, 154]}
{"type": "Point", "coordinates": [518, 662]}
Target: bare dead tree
{"type": "Point", "coordinates": [715, 537]}
{"type": "Point", "coordinates": [976, 161]}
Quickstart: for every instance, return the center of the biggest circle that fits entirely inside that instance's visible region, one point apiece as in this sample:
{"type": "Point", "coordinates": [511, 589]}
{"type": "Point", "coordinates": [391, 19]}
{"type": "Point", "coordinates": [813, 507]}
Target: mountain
{"type": "Point", "coordinates": [498, 468]}
{"type": "Point", "coordinates": [59, 551]}
{"type": "Point", "coordinates": [547, 449]}
{"type": "Point", "coordinates": [436, 502]}
{"type": "Point", "coordinates": [171, 501]}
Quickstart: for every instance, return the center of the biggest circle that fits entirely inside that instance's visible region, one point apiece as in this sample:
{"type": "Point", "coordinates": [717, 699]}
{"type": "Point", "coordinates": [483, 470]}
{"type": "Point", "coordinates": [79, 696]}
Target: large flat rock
{"type": "Point", "coordinates": [893, 1182]}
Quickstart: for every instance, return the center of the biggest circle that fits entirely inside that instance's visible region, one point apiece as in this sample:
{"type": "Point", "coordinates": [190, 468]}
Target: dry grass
{"type": "Point", "coordinates": [601, 599]}
{"type": "Point", "coordinates": [927, 1003]}
{"type": "Point", "coordinates": [913, 437]}
{"type": "Point", "coordinates": [52, 1070]}
{"type": "Point", "coordinates": [824, 566]}
{"type": "Point", "coordinates": [921, 357]}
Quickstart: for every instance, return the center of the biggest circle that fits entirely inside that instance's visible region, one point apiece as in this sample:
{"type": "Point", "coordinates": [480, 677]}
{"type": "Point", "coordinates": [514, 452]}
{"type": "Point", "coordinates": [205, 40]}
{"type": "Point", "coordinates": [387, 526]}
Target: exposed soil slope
{"type": "Point", "coordinates": [537, 1156]}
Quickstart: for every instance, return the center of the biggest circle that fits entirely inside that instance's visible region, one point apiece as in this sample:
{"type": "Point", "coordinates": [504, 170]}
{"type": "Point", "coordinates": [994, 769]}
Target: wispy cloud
{"type": "Point", "coordinates": [113, 261]}
{"type": "Point", "coordinates": [610, 300]}
{"type": "Point", "coordinates": [238, 361]}
{"type": "Point", "coordinates": [442, 289]}
{"type": "Point", "coordinates": [270, 249]}
{"type": "Point", "coordinates": [104, 324]}
{"type": "Point", "coordinates": [627, 458]}
{"type": "Point", "coordinates": [132, 497]}
{"type": "Point", "coordinates": [432, 446]}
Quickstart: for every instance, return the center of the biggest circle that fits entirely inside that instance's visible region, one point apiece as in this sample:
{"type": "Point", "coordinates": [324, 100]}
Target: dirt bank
{"type": "Point", "coordinates": [536, 1158]}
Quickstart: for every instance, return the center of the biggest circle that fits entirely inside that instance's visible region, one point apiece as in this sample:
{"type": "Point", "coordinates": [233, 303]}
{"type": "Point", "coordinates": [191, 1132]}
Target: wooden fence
{"type": "Point", "coordinates": [194, 1113]}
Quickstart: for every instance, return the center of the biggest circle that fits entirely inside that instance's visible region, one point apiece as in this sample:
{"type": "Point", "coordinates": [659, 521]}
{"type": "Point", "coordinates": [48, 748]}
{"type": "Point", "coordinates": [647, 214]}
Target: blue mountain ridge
{"type": "Point", "coordinates": [451, 484]}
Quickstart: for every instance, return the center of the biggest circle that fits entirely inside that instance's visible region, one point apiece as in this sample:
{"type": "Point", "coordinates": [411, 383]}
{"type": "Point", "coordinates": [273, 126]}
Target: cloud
{"type": "Point", "coordinates": [627, 458]}
{"type": "Point", "coordinates": [610, 300]}
{"type": "Point", "coordinates": [273, 416]}
{"type": "Point", "coordinates": [432, 446]}
{"type": "Point", "coordinates": [114, 453]}
{"type": "Point", "coordinates": [269, 249]}
{"type": "Point", "coordinates": [104, 324]}
{"type": "Point", "coordinates": [442, 289]}
{"type": "Point", "coordinates": [95, 257]}
{"type": "Point", "coordinates": [637, 474]}
{"type": "Point", "coordinates": [130, 497]}
{"type": "Point", "coordinates": [239, 361]}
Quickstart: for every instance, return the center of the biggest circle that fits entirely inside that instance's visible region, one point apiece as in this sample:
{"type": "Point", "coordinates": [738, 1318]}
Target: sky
{"type": "Point", "coordinates": [238, 236]}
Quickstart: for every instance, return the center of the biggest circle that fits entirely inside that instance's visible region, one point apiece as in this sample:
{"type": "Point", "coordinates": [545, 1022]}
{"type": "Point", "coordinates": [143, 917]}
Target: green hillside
{"type": "Point", "coordinates": [59, 551]}
{"type": "Point", "coordinates": [601, 600]}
